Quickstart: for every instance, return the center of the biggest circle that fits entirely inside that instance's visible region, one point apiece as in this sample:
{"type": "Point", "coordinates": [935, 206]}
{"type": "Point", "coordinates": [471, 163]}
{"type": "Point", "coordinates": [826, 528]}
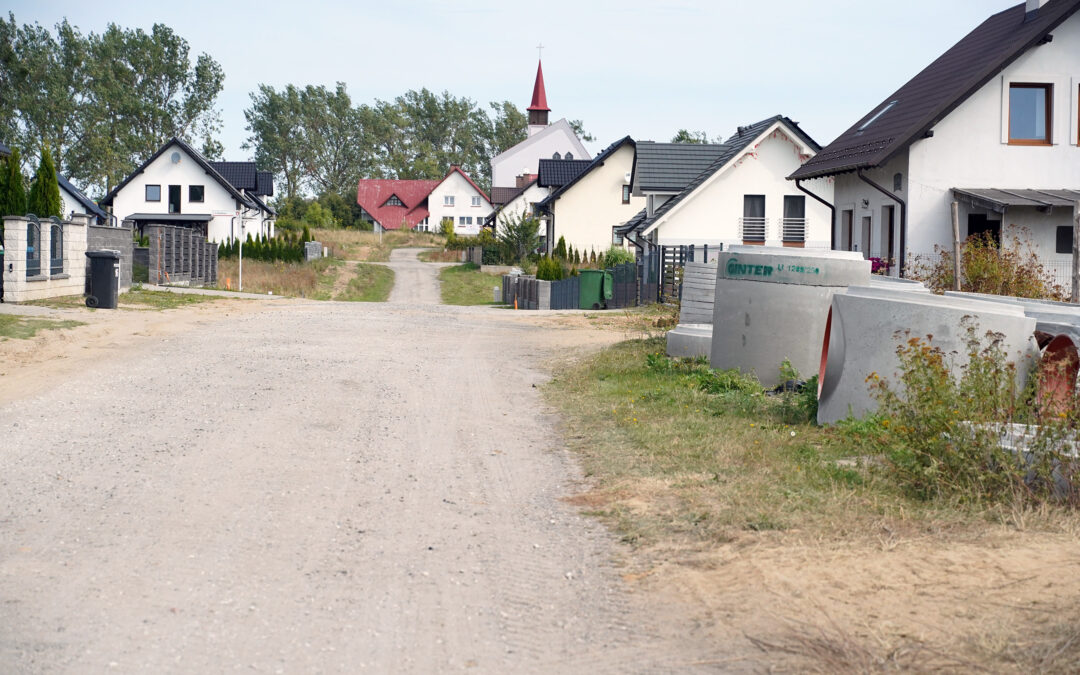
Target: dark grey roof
{"type": "Point", "coordinates": [558, 172]}
{"type": "Point", "coordinates": [87, 203]}
{"type": "Point", "coordinates": [936, 91]}
{"type": "Point", "coordinates": [171, 217]}
{"type": "Point", "coordinates": [734, 145]}
{"type": "Point", "coordinates": [999, 200]}
{"type": "Point", "coordinates": [264, 183]}
{"type": "Point", "coordinates": [194, 154]}
{"type": "Point", "coordinates": [633, 224]}
{"type": "Point", "coordinates": [597, 161]}
{"type": "Point", "coordinates": [668, 167]}
{"type": "Point", "coordinates": [500, 196]}
{"type": "Point", "coordinates": [242, 175]}
{"type": "Point", "coordinates": [5, 150]}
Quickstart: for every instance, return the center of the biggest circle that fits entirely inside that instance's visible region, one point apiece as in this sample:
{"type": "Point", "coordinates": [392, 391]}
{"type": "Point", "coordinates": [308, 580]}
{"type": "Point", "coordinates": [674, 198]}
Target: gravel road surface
{"type": "Point", "coordinates": [313, 487]}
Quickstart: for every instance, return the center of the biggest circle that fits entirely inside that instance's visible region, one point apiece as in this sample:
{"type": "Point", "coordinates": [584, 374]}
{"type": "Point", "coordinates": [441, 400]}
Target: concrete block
{"type": "Point", "coordinates": [771, 304]}
{"type": "Point", "coordinates": [690, 341]}
{"type": "Point", "coordinates": [866, 324]}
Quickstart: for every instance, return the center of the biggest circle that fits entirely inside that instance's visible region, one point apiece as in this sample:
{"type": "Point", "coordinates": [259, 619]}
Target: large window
{"type": "Point", "coordinates": [753, 220]}
{"type": "Point", "coordinates": [1030, 113]}
{"type": "Point", "coordinates": [1064, 243]}
{"type": "Point", "coordinates": [153, 193]}
{"type": "Point", "coordinates": [794, 227]}
{"type": "Point", "coordinates": [476, 201]}
{"type": "Point", "coordinates": [196, 193]}
{"type": "Point", "coordinates": [448, 200]}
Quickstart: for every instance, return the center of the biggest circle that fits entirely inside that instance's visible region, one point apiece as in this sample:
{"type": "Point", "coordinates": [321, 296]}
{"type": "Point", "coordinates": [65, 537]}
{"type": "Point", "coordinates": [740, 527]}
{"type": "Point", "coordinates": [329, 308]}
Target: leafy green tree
{"type": "Point", "coordinates": [12, 188]}
{"type": "Point", "coordinates": [519, 237]}
{"type": "Point", "coordinates": [579, 129]}
{"type": "Point", "coordinates": [560, 248]}
{"type": "Point", "coordinates": [685, 136]}
{"type": "Point", "coordinates": [273, 121]}
{"type": "Point", "coordinates": [44, 199]}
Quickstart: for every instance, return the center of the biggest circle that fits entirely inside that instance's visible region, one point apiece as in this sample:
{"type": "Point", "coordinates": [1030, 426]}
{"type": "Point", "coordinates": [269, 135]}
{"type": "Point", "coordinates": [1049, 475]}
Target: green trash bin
{"type": "Point", "coordinates": [591, 289]}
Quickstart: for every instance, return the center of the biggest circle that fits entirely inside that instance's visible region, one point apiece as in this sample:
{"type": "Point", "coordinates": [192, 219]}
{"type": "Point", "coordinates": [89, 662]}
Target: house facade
{"type": "Point", "coordinates": [423, 204]}
{"type": "Point", "coordinates": [993, 124]}
{"type": "Point", "coordinates": [177, 186]}
{"type": "Point", "coordinates": [585, 210]}
{"type": "Point", "coordinates": [73, 201]}
{"type": "Point", "coordinates": [736, 192]}
{"type": "Point", "coordinates": [544, 141]}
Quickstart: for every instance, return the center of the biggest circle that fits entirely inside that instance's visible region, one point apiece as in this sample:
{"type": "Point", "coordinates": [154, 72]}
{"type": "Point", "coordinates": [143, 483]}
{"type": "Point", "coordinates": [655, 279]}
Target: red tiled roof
{"type": "Point", "coordinates": [372, 194]}
{"type": "Point", "coordinates": [539, 99]}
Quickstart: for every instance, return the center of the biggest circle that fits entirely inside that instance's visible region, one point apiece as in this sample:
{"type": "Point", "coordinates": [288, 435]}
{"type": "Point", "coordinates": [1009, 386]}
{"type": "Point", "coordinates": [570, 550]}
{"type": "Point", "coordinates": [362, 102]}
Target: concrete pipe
{"type": "Point", "coordinates": [693, 336]}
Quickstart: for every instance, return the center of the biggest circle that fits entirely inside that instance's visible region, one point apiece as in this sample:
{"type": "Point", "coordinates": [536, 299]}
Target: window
{"type": "Point", "coordinates": [448, 200]}
{"type": "Point", "coordinates": [626, 194]}
{"type": "Point", "coordinates": [476, 201]}
{"type": "Point", "coordinates": [174, 199]}
{"type": "Point", "coordinates": [556, 156]}
{"type": "Point", "coordinates": [847, 224]}
{"type": "Point", "coordinates": [394, 201]}
{"type": "Point", "coordinates": [196, 193]}
{"type": "Point", "coordinates": [753, 220]}
{"type": "Point", "coordinates": [1064, 239]}
{"type": "Point", "coordinates": [794, 226]}
{"type": "Point", "coordinates": [1030, 113]}
{"type": "Point", "coordinates": [616, 238]}
{"type": "Point", "coordinates": [569, 155]}
{"type": "Point", "coordinates": [153, 193]}
{"type": "Point", "coordinates": [465, 220]}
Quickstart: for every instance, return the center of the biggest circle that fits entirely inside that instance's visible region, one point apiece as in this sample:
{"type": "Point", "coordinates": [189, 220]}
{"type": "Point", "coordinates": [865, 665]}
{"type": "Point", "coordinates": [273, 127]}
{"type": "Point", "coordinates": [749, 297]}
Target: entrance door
{"type": "Point", "coordinates": [174, 199]}
{"type": "Point", "coordinates": [847, 220]}
{"type": "Point", "coordinates": [864, 243]}
{"type": "Point", "coordinates": [888, 230]}
{"type": "Point", "coordinates": [979, 223]}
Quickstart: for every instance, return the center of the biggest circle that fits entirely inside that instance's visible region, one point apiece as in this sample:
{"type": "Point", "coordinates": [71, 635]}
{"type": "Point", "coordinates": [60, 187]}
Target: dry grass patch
{"type": "Point", "coordinates": [301, 280]}
{"type": "Point", "coordinates": [371, 246]}
{"type": "Point", "coordinates": [435, 255]}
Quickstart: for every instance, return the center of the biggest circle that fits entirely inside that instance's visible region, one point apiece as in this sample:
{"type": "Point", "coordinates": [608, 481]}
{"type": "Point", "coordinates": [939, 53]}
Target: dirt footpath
{"type": "Point", "coordinates": [308, 487]}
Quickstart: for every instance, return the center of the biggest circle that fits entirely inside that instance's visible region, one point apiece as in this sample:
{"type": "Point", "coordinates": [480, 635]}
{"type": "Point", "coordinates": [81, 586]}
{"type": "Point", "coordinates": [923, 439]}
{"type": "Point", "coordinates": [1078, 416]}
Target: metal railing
{"type": "Point", "coordinates": [793, 229]}
{"type": "Point", "coordinates": [752, 228]}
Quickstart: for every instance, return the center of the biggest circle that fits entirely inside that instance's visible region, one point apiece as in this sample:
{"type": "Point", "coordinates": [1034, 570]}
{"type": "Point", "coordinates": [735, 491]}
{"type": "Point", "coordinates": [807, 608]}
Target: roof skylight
{"type": "Point", "coordinates": [878, 115]}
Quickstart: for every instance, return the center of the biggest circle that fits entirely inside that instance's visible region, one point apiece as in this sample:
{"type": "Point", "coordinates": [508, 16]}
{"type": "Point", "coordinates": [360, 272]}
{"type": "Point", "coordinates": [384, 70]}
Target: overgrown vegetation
{"type": "Point", "coordinates": [369, 283]}
{"type": "Point", "coordinates": [302, 280]}
{"type": "Point", "coordinates": [23, 327]}
{"type": "Point", "coordinates": [372, 246]}
{"type": "Point", "coordinates": [467, 285]}
{"type": "Point", "coordinates": [1011, 268]}
{"type": "Point", "coordinates": [285, 247]}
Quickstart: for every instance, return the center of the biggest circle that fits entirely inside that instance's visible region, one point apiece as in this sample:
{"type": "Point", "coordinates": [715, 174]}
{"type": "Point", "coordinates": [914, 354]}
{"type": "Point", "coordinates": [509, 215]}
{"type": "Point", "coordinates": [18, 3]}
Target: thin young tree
{"type": "Point", "coordinates": [44, 199]}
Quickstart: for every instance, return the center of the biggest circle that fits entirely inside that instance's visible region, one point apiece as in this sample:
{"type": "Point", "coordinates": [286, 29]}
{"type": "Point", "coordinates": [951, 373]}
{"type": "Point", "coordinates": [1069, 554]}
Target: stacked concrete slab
{"type": "Point", "coordinates": [693, 336]}
{"type": "Point", "coordinates": [772, 304]}
{"type": "Point", "coordinates": [866, 324]}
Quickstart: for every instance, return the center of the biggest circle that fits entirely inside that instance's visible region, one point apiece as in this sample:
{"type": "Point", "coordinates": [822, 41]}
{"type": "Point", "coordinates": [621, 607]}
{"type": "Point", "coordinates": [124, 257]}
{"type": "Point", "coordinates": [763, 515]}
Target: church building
{"type": "Point", "coordinates": [545, 141]}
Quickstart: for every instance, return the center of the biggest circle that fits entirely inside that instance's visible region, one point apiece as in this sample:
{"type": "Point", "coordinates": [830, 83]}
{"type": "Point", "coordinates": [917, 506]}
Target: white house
{"type": "Point", "coordinates": [545, 141]}
{"type": "Point", "coordinates": [518, 202]}
{"type": "Point", "coordinates": [585, 210]}
{"type": "Point", "coordinates": [72, 200]}
{"type": "Point", "coordinates": [991, 124]}
{"type": "Point", "coordinates": [741, 197]}
{"type": "Point", "coordinates": [422, 204]}
{"type": "Point", "coordinates": [177, 186]}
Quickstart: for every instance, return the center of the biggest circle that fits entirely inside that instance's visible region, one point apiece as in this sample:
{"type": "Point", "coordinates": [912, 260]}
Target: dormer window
{"type": "Point", "coordinates": [556, 156]}
{"type": "Point", "coordinates": [569, 155]}
{"type": "Point", "coordinates": [1030, 118]}
{"type": "Point", "coordinates": [394, 201]}
{"type": "Point", "coordinates": [876, 117]}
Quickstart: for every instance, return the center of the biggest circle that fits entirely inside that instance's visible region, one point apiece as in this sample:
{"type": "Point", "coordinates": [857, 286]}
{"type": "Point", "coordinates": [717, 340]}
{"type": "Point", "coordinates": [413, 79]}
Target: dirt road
{"type": "Point", "coordinates": [312, 487]}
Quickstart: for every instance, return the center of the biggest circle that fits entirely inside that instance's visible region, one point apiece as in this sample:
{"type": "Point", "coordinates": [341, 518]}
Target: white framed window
{"type": "Point", "coordinates": [448, 200]}
{"type": "Point", "coordinates": [476, 201]}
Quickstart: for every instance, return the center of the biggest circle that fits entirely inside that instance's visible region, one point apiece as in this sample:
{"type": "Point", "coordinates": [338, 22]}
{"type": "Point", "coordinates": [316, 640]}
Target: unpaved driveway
{"type": "Point", "coordinates": [415, 282]}
{"type": "Point", "coordinates": [313, 487]}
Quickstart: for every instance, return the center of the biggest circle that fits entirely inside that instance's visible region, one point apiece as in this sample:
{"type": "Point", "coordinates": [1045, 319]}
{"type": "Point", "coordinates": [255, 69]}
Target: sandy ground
{"type": "Point", "coordinates": [294, 486]}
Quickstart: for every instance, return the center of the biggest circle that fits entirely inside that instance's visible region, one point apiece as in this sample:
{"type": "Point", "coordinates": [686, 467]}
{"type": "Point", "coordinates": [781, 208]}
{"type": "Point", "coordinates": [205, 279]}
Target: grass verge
{"type": "Point", "coordinates": [372, 247]}
{"type": "Point", "coordinates": [137, 298]}
{"type": "Point", "coordinates": [467, 285]}
{"type": "Point", "coordinates": [370, 283]}
{"type": "Point", "coordinates": [24, 327]}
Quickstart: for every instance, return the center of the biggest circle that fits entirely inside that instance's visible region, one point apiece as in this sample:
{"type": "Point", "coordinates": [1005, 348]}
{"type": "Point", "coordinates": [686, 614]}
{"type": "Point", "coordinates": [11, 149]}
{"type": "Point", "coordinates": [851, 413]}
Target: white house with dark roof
{"type": "Point", "coordinates": [731, 193]}
{"type": "Point", "coordinates": [544, 141]}
{"type": "Point", "coordinates": [72, 201]}
{"type": "Point", "coordinates": [177, 186]}
{"type": "Point", "coordinates": [992, 124]}
{"type": "Point", "coordinates": [586, 208]}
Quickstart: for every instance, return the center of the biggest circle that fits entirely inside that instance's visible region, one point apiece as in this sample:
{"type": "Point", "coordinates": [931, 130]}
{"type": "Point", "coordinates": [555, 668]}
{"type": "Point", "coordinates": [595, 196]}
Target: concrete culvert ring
{"type": "Point", "coordinates": [1060, 364]}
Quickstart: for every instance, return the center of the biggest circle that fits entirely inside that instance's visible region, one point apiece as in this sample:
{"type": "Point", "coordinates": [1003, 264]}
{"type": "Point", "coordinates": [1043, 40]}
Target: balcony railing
{"type": "Point", "coordinates": [794, 230]}
{"type": "Point", "coordinates": [752, 228]}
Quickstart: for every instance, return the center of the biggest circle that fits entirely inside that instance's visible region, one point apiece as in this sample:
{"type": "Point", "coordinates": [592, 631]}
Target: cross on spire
{"type": "Point", "coordinates": [540, 50]}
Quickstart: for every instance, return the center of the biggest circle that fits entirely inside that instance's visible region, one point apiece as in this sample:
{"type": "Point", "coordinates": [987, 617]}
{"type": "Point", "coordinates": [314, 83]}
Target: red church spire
{"type": "Point", "coordinates": [539, 97]}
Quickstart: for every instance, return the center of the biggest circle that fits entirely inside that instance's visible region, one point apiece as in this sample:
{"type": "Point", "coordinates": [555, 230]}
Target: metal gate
{"type": "Point", "coordinates": [625, 291]}
{"type": "Point", "coordinates": [565, 293]}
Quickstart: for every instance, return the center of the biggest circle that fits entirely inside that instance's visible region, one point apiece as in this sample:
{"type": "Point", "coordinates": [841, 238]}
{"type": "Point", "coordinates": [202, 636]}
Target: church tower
{"type": "Point", "coordinates": [538, 109]}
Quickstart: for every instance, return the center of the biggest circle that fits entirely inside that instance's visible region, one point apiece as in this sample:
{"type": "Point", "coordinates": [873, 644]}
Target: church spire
{"type": "Point", "coordinates": [538, 109]}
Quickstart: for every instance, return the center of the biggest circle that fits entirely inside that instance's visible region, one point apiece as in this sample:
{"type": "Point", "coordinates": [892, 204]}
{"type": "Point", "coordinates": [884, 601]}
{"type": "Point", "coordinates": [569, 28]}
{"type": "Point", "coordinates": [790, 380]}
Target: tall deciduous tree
{"type": "Point", "coordinates": [44, 198]}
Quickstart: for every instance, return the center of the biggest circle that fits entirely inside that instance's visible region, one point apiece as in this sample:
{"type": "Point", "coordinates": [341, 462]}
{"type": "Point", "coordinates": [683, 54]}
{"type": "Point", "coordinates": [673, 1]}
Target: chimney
{"type": "Point", "coordinates": [1033, 7]}
{"type": "Point", "coordinates": [521, 181]}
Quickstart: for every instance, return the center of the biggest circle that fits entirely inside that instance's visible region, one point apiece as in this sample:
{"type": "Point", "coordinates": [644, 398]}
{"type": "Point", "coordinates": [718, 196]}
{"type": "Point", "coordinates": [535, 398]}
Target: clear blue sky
{"type": "Point", "coordinates": [644, 68]}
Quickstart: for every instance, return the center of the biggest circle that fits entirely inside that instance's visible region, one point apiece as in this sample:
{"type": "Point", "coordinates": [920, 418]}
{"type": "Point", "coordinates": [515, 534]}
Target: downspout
{"type": "Point", "coordinates": [832, 208]}
{"type": "Point", "coordinates": [903, 217]}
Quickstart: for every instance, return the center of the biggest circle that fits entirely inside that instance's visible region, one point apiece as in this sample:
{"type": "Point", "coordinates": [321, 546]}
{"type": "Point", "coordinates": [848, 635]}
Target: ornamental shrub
{"type": "Point", "coordinates": [618, 256]}
{"type": "Point", "coordinates": [44, 198]}
{"type": "Point", "coordinates": [1013, 268]}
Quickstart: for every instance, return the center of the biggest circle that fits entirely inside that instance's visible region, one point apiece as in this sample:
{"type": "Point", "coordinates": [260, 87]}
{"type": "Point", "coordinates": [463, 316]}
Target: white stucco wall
{"type": "Point", "coordinates": [456, 186]}
{"type": "Point", "coordinates": [524, 203]}
{"type": "Point", "coordinates": [586, 213]}
{"type": "Point", "coordinates": [711, 215]}
{"type": "Point", "coordinates": [526, 155]}
{"type": "Point", "coordinates": [217, 200]}
{"type": "Point", "coordinates": [969, 149]}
